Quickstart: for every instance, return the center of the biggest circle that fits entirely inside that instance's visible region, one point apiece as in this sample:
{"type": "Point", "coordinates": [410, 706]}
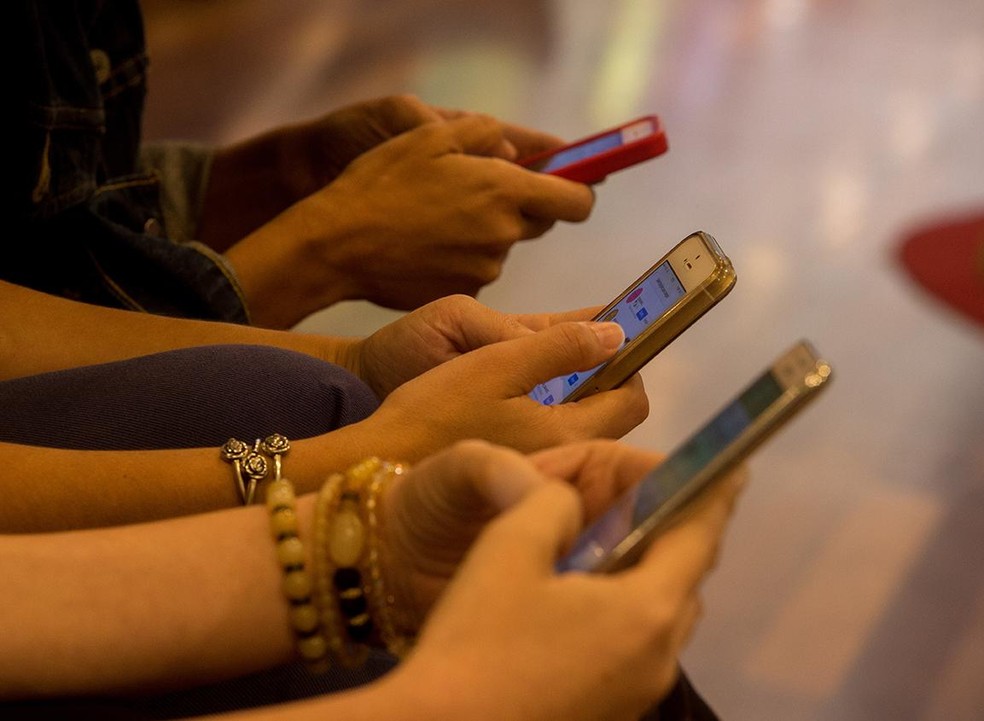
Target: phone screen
{"type": "Point", "coordinates": [643, 304]}
{"type": "Point", "coordinates": [659, 485]}
{"type": "Point", "coordinates": [580, 152]}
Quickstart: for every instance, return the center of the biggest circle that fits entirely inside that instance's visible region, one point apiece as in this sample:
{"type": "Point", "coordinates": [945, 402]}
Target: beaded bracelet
{"type": "Point", "coordinates": [323, 567]}
{"type": "Point", "coordinates": [349, 586]}
{"type": "Point", "coordinates": [297, 587]}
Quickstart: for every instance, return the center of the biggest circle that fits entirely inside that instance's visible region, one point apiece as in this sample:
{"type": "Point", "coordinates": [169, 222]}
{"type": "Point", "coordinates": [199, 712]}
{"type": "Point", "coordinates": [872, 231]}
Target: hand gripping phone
{"type": "Point", "coordinates": [619, 537]}
{"type": "Point", "coordinates": [592, 159]}
{"type": "Point", "coordinates": [661, 304]}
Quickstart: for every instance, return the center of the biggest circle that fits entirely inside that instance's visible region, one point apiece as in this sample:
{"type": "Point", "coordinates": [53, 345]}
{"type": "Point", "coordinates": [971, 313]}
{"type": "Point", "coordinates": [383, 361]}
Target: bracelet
{"type": "Point", "coordinates": [281, 501]}
{"type": "Point", "coordinates": [350, 590]}
{"type": "Point", "coordinates": [323, 592]}
{"type": "Point", "coordinates": [297, 587]}
{"type": "Point", "coordinates": [382, 602]}
{"type": "Point", "coordinates": [250, 461]}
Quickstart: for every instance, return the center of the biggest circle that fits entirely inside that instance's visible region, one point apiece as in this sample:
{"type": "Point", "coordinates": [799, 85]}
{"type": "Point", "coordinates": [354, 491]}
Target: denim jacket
{"type": "Point", "coordinates": [89, 216]}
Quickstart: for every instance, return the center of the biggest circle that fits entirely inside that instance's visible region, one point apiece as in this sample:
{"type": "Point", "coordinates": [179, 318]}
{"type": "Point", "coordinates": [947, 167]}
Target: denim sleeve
{"type": "Point", "coordinates": [183, 171]}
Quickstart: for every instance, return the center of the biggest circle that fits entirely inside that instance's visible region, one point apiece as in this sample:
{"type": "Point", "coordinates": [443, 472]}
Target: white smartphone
{"type": "Point", "coordinates": [619, 537]}
{"type": "Point", "coordinates": [656, 308]}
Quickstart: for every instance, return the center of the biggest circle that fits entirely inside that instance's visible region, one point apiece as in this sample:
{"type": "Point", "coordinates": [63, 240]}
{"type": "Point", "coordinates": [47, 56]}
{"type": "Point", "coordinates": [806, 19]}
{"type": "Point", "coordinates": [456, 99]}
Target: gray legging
{"type": "Point", "coordinates": [200, 397]}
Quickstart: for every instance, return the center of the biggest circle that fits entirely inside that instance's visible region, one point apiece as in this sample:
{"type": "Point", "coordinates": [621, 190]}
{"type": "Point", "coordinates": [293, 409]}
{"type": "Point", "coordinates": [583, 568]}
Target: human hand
{"type": "Point", "coordinates": [436, 333]}
{"type": "Point", "coordinates": [484, 394]}
{"type": "Point", "coordinates": [435, 513]}
{"type": "Point", "coordinates": [314, 153]}
{"type": "Point", "coordinates": [530, 644]}
{"type": "Point", "coordinates": [458, 214]}
{"type": "Point", "coordinates": [289, 162]}
{"type": "Point", "coordinates": [325, 146]}
{"type": "Point", "coordinates": [424, 215]}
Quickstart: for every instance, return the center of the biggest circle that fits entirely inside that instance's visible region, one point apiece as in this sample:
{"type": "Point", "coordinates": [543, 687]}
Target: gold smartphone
{"type": "Point", "coordinates": [661, 304]}
{"type": "Point", "coordinates": [619, 537]}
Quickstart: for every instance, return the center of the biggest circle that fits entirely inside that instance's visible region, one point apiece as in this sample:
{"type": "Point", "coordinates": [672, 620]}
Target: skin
{"type": "Point", "coordinates": [470, 367]}
{"type": "Point", "coordinates": [283, 165]}
{"type": "Point", "coordinates": [391, 201]}
{"type": "Point", "coordinates": [470, 539]}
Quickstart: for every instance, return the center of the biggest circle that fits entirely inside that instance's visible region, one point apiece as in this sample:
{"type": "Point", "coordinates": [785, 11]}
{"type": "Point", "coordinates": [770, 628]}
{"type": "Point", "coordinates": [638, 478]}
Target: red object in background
{"type": "Point", "coordinates": [947, 260]}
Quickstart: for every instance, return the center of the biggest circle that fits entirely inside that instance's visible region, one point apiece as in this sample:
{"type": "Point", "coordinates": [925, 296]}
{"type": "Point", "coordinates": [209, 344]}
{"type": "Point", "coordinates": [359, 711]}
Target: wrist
{"type": "Point", "coordinates": [282, 273]}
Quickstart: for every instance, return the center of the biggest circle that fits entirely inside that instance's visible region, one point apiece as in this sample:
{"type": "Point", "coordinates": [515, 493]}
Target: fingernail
{"type": "Point", "coordinates": [611, 335]}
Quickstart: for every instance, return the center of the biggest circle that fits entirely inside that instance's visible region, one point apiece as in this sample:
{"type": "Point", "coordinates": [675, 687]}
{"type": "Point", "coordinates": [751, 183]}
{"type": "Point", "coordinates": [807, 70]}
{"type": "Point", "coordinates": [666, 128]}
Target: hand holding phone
{"type": "Point", "coordinates": [592, 159]}
{"type": "Point", "coordinates": [622, 534]}
{"type": "Point", "coordinates": [661, 304]}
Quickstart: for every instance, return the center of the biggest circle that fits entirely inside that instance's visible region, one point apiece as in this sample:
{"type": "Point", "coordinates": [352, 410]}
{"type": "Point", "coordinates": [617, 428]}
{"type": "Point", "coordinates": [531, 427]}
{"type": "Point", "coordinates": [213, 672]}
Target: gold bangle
{"type": "Point", "coordinates": [382, 602]}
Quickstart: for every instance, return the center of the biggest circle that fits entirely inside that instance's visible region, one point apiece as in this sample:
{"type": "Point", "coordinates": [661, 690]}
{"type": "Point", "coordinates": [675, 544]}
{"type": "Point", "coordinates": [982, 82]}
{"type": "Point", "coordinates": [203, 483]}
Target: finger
{"type": "Point", "coordinates": [533, 227]}
{"type": "Point", "coordinates": [478, 479]}
{"type": "Point", "coordinates": [470, 134]}
{"type": "Point", "coordinates": [529, 141]}
{"type": "Point", "coordinates": [471, 325]}
{"type": "Point", "coordinates": [451, 113]}
{"type": "Point", "coordinates": [686, 552]}
{"type": "Point", "coordinates": [477, 134]}
{"type": "Point", "coordinates": [608, 414]}
{"type": "Point", "coordinates": [547, 196]}
{"type": "Point", "coordinates": [600, 469]}
{"type": "Point", "coordinates": [534, 533]}
{"type": "Point", "coordinates": [539, 321]}
{"type": "Point", "coordinates": [400, 113]}
{"type": "Point", "coordinates": [558, 350]}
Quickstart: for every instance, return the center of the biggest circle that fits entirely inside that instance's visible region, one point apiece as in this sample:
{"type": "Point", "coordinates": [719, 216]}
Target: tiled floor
{"type": "Point", "coordinates": [808, 137]}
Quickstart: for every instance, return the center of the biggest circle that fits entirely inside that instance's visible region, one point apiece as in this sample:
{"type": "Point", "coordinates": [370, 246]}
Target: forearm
{"type": "Point", "coordinates": [249, 184]}
{"type": "Point", "coordinates": [41, 333]}
{"type": "Point", "coordinates": [298, 262]}
{"type": "Point", "coordinates": [50, 489]}
{"type": "Point", "coordinates": [141, 608]}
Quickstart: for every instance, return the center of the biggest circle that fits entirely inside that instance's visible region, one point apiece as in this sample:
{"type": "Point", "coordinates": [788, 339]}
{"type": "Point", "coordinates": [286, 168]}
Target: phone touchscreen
{"type": "Point", "coordinates": [595, 146]}
{"type": "Point", "coordinates": [637, 505]}
{"type": "Point", "coordinates": [580, 152]}
{"type": "Point", "coordinates": [640, 306]}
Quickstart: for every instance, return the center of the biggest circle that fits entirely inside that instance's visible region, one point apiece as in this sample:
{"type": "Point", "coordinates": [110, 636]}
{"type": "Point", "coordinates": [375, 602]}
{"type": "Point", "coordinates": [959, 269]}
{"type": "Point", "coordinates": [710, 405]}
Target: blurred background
{"type": "Point", "coordinates": [813, 139]}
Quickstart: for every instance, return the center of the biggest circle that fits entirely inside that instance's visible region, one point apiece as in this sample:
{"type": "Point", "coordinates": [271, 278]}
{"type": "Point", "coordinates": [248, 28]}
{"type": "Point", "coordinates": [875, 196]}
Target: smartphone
{"type": "Point", "coordinates": [592, 159]}
{"type": "Point", "coordinates": [621, 535]}
{"type": "Point", "coordinates": [661, 304]}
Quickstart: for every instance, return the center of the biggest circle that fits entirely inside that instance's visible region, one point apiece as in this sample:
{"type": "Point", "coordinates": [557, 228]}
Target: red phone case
{"type": "Point", "coordinates": [596, 168]}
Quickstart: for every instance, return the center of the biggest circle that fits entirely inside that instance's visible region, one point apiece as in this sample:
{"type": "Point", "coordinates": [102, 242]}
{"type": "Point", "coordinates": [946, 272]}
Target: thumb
{"type": "Point", "coordinates": [533, 533]}
{"type": "Point", "coordinates": [558, 350]}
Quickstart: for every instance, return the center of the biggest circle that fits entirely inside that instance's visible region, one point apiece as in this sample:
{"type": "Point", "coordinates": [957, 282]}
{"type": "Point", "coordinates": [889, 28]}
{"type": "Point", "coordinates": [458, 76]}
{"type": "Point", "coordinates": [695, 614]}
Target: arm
{"type": "Point", "coordinates": [481, 394]}
{"type": "Point", "coordinates": [253, 181]}
{"type": "Point", "coordinates": [41, 332]}
{"type": "Point", "coordinates": [142, 607]}
{"type": "Point", "coordinates": [506, 626]}
{"type": "Point", "coordinates": [421, 216]}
